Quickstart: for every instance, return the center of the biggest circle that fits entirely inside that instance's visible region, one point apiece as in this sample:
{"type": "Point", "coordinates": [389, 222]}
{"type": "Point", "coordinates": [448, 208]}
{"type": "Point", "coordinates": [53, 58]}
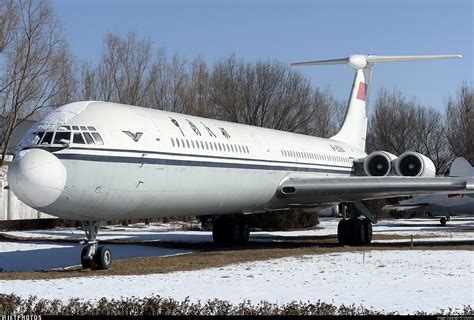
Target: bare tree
{"type": "Point", "coordinates": [266, 94]}
{"type": "Point", "coordinates": [126, 72]}
{"type": "Point", "coordinates": [34, 61]}
{"type": "Point", "coordinates": [8, 22]}
{"type": "Point", "coordinates": [460, 122]}
{"type": "Point", "coordinates": [398, 125]}
{"type": "Point", "coordinates": [326, 113]}
{"type": "Point", "coordinates": [196, 96]}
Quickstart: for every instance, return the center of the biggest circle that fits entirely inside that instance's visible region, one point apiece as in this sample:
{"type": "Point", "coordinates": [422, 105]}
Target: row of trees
{"type": "Point", "coordinates": [37, 70]}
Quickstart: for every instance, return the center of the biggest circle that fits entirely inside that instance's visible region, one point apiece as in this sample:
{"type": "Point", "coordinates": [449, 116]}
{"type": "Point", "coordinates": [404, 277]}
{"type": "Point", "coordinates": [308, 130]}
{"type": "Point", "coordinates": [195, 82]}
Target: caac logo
{"type": "Point", "coordinates": [135, 136]}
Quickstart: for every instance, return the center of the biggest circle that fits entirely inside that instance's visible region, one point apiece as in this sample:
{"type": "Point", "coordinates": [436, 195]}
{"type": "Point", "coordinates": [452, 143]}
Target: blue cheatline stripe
{"type": "Point", "coordinates": [191, 163]}
{"type": "Point", "coordinates": [210, 157]}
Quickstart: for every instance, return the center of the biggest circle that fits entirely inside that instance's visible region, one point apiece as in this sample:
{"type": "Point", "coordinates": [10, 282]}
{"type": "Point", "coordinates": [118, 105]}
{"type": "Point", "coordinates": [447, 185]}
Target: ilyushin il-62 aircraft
{"type": "Point", "coordinates": [96, 161]}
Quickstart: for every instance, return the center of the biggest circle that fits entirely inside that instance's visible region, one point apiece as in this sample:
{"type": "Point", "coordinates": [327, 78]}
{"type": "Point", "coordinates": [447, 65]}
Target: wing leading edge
{"type": "Point", "coordinates": [309, 191]}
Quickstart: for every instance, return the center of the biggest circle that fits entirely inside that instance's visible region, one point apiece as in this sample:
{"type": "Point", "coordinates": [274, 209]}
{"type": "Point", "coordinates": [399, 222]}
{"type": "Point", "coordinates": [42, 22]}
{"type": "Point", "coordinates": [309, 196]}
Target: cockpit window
{"type": "Point", "coordinates": [78, 138]}
{"type": "Point", "coordinates": [88, 138]}
{"type": "Point", "coordinates": [64, 128]}
{"type": "Point", "coordinates": [83, 128]}
{"type": "Point", "coordinates": [91, 128]}
{"type": "Point", "coordinates": [62, 137]}
{"type": "Point", "coordinates": [97, 138]}
{"type": "Point", "coordinates": [38, 136]}
{"type": "Point", "coordinates": [47, 138]}
{"type": "Point", "coordinates": [75, 127]}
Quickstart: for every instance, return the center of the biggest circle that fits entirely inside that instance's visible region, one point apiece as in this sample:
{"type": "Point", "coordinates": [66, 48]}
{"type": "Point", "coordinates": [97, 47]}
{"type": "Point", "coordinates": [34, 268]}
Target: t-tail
{"type": "Point", "coordinates": [354, 128]}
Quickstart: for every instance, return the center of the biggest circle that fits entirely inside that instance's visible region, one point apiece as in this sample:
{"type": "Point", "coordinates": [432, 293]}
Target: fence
{"type": "Point", "coordinates": [14, 209]}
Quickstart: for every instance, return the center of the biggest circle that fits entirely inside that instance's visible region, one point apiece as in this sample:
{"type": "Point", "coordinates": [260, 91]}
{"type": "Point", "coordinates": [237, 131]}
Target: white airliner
{"type": "Point", "coordinates": [443, 205]}
{"type": "Point", "coordinates": [97, 161]}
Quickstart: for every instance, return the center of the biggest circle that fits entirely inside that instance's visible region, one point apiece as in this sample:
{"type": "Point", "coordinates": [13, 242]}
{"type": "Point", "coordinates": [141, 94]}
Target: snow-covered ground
{"type": "Point", "coordinates": [458, 227]}
{"type": "Point", "coordinates": [401, 281]}
{"type": "Point", "coordinates": [31, 256]}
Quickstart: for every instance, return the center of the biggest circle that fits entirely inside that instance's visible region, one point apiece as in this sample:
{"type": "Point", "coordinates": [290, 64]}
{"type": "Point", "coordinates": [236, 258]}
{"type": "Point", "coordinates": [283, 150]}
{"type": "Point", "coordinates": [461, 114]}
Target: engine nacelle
{"type": "Point", "coordinates": [379, 163]}
{"type": "Point", "coordinates": [414, 164]}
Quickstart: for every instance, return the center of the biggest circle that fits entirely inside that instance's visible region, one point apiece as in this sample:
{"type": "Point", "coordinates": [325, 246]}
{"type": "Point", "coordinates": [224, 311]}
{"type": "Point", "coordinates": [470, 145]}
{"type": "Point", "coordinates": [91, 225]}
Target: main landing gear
{"type": "Point", "coordinates": [230, 229]}
{"type": "Point", "coordinates": [352, 230]}
{"type": "Point", "coordinates": [93, 256]}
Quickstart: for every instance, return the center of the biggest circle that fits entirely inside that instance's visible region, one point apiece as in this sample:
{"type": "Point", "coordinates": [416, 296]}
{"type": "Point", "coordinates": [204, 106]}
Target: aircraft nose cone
{"type": "Point", "coordinates": [37, 177]}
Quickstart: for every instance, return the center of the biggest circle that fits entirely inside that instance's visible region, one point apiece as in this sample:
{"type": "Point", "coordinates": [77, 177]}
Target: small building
{"type": "Point", "coordinates": [10, 207]}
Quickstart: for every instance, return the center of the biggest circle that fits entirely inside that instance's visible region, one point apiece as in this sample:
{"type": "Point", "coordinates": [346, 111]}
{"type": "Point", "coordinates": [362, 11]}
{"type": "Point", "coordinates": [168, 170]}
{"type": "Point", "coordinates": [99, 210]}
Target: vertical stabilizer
{"type": "Point", "coordinates": [461, 168]}
{"type": "Point", "coordinates": [354, 128]}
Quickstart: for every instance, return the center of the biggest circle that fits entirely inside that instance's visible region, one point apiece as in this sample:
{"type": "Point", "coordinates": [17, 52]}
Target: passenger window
{"type": "Point", "coordinates": [187, 143]}
{"type": "Point", "coordinates": [88, 137]}
{"type": "Point", "coordinates": [247, 148]}
{"type": "Point", "coordinates": [192, 143]}
{"type": "Point", "coordinates": [172, 142]}
{"type": "Point", "coordinates": [202, 145]}
{"type": "Point", "coordinates": [97, 138]}
{"type": "Point", "coordinates": [177, 142]}
{"type": "Point", "coordinates": [182, 143]}
{"type": "Point", "coordinates": [77, 138]}
{"type": "Point", "coordinates": [47, 138]}
{"type": "Point", "coordinates": [65, 136]}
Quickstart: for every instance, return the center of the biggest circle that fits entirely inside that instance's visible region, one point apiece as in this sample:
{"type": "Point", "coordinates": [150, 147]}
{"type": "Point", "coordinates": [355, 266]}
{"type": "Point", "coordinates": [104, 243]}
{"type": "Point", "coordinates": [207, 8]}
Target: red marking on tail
{"type": "Point", "coordinates": [362, 91]}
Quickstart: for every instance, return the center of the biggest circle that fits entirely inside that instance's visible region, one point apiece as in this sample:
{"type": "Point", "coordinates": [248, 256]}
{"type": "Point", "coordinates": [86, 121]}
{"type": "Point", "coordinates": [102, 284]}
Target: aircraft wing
{"type": "Point", "coordinates": [308, 191]}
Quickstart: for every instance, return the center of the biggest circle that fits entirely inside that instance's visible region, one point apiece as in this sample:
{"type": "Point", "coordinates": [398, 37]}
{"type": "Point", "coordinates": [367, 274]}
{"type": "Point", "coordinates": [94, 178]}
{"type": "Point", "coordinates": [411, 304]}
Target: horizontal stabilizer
{"type": "Point", "coordinates": [358, 61]}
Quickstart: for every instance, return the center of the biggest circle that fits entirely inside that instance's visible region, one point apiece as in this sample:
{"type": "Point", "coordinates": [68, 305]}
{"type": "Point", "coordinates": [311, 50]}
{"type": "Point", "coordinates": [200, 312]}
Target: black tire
{"type": "Point", "coordinates": [85, 261]}
{"type": "Point", "coordinates": [343, 232]}
{"type": "Point", "coordinates": [103, 258]}
{"type": "Point", "coordinates": [443, 221]}
{"type": "Point", "coordinates": [244, 233]}
{"type": "Point", "coordinates": [234, 231]}
{"type": "Point", "coordinates": [368, 231]}
{"type": "Point", "coordinates": [358, 232]}
{"type": "Point", "coordinates": [219, 231]}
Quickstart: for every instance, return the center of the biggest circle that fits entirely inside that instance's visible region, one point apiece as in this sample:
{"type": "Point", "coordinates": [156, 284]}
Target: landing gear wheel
{"type": "Point", "coordinates": [358, 232]}
{"type": "Point", "coordinates": [85, 260]}
{"type": "Point", "coordinates": [443, 221]}
{"type": "Point", "coordinates": [103, 258]}
{"type": "Point", "coordinates": [343, 230]}
{"type": "Point", "coordinates": [245, 233]}
{"type": "Point", "coordinates": [218, 232]}
{"type": "Point", "coordinates": [368, 231]}
{"type": "Point", "coordinates": [235, 233]}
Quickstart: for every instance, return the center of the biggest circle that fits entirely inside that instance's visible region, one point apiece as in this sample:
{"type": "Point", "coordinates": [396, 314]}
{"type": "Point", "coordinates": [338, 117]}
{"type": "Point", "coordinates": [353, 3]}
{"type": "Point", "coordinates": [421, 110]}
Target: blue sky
{"type": "Point", "coordinates": [291, 31]}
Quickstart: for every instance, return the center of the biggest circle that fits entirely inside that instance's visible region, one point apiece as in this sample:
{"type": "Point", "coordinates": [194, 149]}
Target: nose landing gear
{"type": "Point", "coordinates": [93, 256]}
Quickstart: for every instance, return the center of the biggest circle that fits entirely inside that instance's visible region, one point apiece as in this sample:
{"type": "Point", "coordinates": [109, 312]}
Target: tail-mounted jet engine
{"type": "Point", "coordinates": [379, 163]}
{"type": "Point", "coordinates": [414, 164]}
